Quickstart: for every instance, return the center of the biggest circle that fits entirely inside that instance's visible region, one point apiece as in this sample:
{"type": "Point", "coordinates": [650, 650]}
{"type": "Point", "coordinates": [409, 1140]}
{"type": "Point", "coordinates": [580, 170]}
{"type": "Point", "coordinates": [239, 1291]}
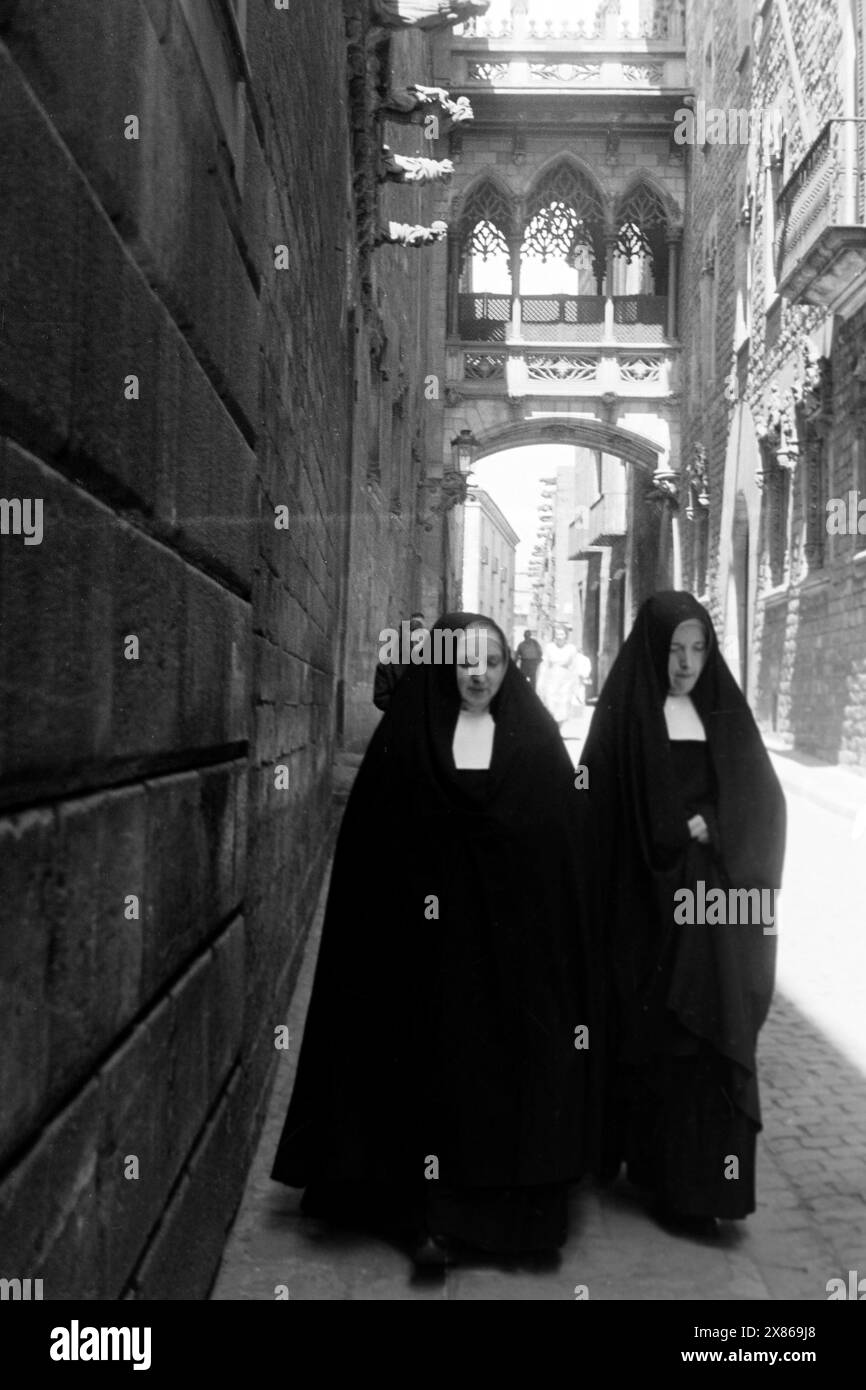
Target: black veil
{"type": "Point", "coordinates": [453, 1034]}
{"type": "Point", "coordinates": [722, 976]}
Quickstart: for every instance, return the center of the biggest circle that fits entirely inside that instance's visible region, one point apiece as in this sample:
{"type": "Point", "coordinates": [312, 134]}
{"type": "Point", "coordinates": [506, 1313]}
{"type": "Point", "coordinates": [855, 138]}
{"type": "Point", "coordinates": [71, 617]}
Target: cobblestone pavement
{"type": "Point", "coordinates": [810, 1225]}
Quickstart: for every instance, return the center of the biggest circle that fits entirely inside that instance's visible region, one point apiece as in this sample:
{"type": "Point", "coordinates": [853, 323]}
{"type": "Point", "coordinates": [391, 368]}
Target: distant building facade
{"type": "Point", "coordinates": [774, 399]}
{"type": "Point", "coordinates": [489, 550]}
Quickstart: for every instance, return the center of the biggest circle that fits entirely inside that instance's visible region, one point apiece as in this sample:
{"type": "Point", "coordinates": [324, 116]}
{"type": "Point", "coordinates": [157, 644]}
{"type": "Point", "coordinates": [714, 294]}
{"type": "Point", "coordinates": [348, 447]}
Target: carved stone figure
{"type": "Point", "coordinates": [664, 489]}
{"type": "Point", "coordinates": [405, 234]}
{"type": "Point", "coordinates": [426, 14]}
{"type": "Point", "coordinates": [696, 475]}
{"type": "Point", "coordinates": [401, 168]}
{"type": "Point", "coordinates": [403, 105]}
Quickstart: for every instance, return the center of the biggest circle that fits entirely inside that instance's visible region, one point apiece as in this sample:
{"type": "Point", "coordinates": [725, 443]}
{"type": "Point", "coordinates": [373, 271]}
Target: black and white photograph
{"type": "Point", "coordinates": [433, 667]}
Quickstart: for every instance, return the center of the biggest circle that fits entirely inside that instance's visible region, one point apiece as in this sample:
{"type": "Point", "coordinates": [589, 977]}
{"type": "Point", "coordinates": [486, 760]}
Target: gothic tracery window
{"type": "Point", "coordinates": [486, 223]}
{"type": "Point", "coordinates": [484, 271]}
{"type": "Point", "coordinates": [565, 218]}
{"type": "Point", "coordinates": [641, 253]}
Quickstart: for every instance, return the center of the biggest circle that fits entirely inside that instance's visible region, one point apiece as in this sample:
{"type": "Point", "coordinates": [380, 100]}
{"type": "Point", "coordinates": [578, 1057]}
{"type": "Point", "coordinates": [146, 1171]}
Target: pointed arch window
{"type": "Point", "coordinates": [486, 223]}
{"type": "Point", "coordinates": [483, 264]}
{"type": "Point", "coordinates": [641, 251]}
{"type": "Point", "coordinates": [565, 219]}
{"type": "Point", "coordinates": [640, 265]}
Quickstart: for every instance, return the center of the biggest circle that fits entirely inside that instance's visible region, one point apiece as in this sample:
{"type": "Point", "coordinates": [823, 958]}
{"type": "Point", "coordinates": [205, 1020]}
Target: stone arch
{"type": "Point", "coordinates": [583, 433]}
{"type": "Point", "coordinates": [580, 166]}
{"type": "Point", "coordinates": [490, 177]}
{"type": "Point", "coordinates": [648, 179]}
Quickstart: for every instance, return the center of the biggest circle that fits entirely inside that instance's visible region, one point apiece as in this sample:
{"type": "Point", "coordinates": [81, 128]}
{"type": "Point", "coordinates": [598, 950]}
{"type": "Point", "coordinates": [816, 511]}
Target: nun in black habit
{"type": "Point", "coordinates": [687, 802]}
{"type": "Point", "coordinates": [444, 1094]}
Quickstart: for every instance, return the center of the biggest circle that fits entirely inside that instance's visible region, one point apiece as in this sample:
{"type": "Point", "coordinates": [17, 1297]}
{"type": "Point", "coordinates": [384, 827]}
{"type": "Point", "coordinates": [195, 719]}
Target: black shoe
{"type": "Point", "coordinates": [680, 1223]}
{"type": "Point", "coordinates": [431, 1253]}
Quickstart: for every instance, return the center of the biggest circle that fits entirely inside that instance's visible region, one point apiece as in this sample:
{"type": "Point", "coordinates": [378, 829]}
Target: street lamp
{"type": "Point", "coordinates": [463, 448]}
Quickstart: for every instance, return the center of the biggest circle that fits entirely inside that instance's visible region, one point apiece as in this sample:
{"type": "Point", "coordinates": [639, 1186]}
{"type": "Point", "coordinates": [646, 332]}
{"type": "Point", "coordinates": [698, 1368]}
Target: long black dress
{"type": "Point", "coordinates": [686, 1000]}
{"type": "Point", "coordinates": [442, 1084]}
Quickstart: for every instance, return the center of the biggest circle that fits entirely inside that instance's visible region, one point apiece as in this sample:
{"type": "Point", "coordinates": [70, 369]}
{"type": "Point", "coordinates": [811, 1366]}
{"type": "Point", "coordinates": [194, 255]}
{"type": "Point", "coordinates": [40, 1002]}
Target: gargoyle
{"type": "Point", "coordinates": [405, 234]}
{"type": "Point", "coordinates": [403, 105]}
{"type": "Point", "coordinates": [426, 14]}
{"type": "Point", "coordinates": [401, 168]}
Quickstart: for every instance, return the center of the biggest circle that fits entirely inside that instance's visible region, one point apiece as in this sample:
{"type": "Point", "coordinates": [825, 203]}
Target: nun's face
{"type": "Point", "coordinates": [688, 653]}
{"type": "Point", "coordinates": [480, 671]}
{"type": "Point", "coordinates": [559, 637]}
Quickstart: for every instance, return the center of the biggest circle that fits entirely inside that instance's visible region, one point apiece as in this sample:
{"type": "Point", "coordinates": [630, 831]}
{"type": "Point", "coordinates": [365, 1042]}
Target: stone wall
{"type": "Point", "coordinates": [171, 652]}
{"type": "Point", "coordinates": [804, 644]}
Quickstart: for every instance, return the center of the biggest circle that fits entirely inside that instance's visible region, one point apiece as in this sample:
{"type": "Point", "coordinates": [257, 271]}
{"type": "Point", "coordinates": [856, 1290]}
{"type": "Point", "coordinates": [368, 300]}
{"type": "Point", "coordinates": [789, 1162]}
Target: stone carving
{"type": "Point", "coordinates": [405, 234]}
{"type": "Point", "coordinates": [426, 14]}
{"type": "Point", "coordinates": [640, 369]}
{"type": "Point", "coordinates": [451, 490]}
{"type": "Point", "coordinates": [483, 366]}
{"type": "Point", "coordinates": [698, 482]}
{"type": "Point", "coordinates": [367, 55]}
{"type": "Point", "coordinates": [812, 390]}
{"type": "Point", "coordinates": [487, 72]}
{"type": "Point", "coordinates": [664, 489]}
{"type": "Point", "coordinates": [651, 73]}
{"type": "Point", "coordinates": [552, 367]}
{"type": "Point", "coordinates": [777, 430]}
{"type": "Point", "coordinates": [401, 168]}
{"type": "Point", "coordinates": [404, 105]}
{"type": "Point", "coordinates": [732, 383]}
{"type": "Point", "coordinates": [565, 72]}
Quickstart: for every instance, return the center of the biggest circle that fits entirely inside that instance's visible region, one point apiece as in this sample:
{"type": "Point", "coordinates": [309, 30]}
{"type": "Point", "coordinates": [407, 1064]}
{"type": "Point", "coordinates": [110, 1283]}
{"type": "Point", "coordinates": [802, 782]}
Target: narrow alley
{"type": "Point", "coordinates": [322, 321]}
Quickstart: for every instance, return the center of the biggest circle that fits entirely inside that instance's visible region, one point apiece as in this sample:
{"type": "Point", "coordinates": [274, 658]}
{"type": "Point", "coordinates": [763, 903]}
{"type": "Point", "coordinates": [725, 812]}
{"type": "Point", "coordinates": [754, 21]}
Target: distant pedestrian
{"type": "Point", "coordinates": [558, 680]}
{"type": "Point", "coordinates": [444, 1095]}
{"type": "Point", "coordinates": [529, 656]}
{"type": "Point", "coordinates": [388, 673]}
{"type": "Point", "coordinates": [687, 799]}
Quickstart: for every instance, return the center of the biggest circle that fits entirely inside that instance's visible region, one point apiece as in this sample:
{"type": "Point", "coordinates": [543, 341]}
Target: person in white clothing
{"type": "Point", "coordinates": [559, 676]}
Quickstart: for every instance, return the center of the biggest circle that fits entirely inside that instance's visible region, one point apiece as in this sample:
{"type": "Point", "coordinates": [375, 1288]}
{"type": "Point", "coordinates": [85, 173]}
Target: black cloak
{"type": "Point", "coordinates": [717, 979]}
{"type": "Point", "coordinates": [456, 962]}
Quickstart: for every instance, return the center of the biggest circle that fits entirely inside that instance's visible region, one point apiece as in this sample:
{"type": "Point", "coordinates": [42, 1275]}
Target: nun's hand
{"type": "Point", "coordinates": [698, 830]}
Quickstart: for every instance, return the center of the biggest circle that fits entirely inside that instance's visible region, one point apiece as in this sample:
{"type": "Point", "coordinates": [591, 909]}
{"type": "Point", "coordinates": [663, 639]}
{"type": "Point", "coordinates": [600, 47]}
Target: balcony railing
{"type": "Point", "coordinates": [483, 318]}
{"type": "Point", "coordinates": [820, 213]}
{"type": "Point", "coordinates": [500, 22]}
{"type": "Point", "coordinates": [640, 310]}
{"type": "Point", "coordinates": [562, 318]}
{"type": "Point", "coordinates": [553, 318]}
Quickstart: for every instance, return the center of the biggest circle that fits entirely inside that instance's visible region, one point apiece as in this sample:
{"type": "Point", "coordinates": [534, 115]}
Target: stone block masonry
{"type": "Point", "coordinates": [792, 614]}
{"type": "Point", "coordinates": [166, 647]}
